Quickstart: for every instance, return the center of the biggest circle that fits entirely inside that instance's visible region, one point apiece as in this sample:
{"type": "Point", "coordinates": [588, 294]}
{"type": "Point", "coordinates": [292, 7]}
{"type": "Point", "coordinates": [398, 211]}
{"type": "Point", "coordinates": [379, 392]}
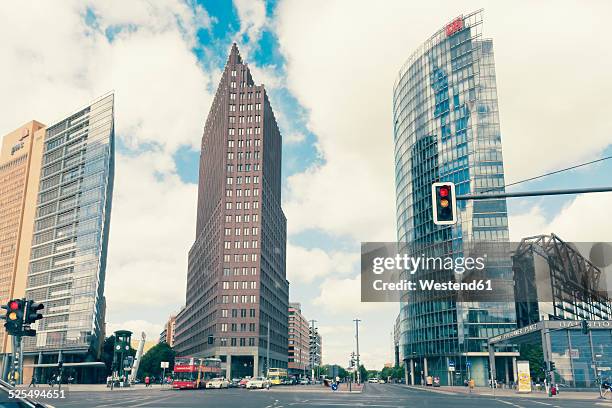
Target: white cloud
{"type": "Point", "coordinates": [305, 265]}
{"type": "Point", "coordinates": [152, 227]}
{"type": "Point", "coordinates": [295, 137]}
{"type": "Point", "coordinates": [54, 62]}
{"type": "Point", "coordinates": [252, 15]}
{"type": "Point", "coordinates": [553, 96]}
{"type": "Point", "coordinates": [151, 330]}
{"type": "Point", "coordinates": [582, 220]}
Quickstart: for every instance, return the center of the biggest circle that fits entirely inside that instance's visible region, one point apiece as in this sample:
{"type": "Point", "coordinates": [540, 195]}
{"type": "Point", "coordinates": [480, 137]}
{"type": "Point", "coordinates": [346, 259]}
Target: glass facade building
{"type": "Point", "coordinates": [70, 238]}
{"type": "Point", "coordinates": [446, 128]}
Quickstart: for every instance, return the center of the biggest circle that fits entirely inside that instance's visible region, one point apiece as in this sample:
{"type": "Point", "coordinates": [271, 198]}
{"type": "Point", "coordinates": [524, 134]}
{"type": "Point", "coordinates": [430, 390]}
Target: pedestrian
{"type": "Point", "coordinates": [33, 381]}
{"type": "Point", "coordinates": [147, 381]}
{"type": "Point", "coordinates": [108, 381]}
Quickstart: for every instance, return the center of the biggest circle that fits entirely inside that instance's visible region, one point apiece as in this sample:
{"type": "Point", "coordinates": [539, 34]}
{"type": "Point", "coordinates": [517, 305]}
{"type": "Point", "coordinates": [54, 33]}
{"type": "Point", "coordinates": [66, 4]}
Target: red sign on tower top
{"type": "Point", "coordinates": [454, 26]}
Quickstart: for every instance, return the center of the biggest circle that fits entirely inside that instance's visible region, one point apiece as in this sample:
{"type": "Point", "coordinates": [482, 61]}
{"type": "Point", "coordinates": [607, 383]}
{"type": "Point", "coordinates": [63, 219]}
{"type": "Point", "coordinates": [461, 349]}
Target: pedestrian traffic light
{"type": "Point", "coordinates": [444, 203]}
{"type": "Point", "coordinates": [32, 314]}
{"type": "Point", "coordinates": [14, 317]}
{"type": "Point", "coordinates": [585, 327]}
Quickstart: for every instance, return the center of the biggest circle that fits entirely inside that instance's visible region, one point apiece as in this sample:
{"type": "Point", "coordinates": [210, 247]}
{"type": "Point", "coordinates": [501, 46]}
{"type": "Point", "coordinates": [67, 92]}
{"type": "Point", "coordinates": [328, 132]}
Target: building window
{"type": "Point", "coordinates": [253, 299]}
{"type": "Point", "coordinates": [233, 342]}
{"type": "Point", "coordinates": [223, 312]}
{"type": "Point", "coordinates": [234, 73]}
{"type": "Point", "coordinates": [225, 299]}
{"type": "Point", "coordinates": [235, 299]}
{"type": "Point", "coordinates": [228, 205]}
{"type": "Point", "coordinates": [223, 327]}
{"type": "Point", "coordinates": [227, 245]}
{"type": "Point", "coordinates": [230, 180]}
{"type": "Point", "coordinates": [225, 285]}
{"type": "Point", "coordinates": [242, 341]}
{"type": "Point", "coordinates": [252, 312]}
{"type": "Point", "coordinates": [226, 271]}
{"type": "Point", "coordinates": [251, 340]}
{"type": "Point", "coordinates": [253, 271]}
{"type": "Point", "coordinates": [253, 285]}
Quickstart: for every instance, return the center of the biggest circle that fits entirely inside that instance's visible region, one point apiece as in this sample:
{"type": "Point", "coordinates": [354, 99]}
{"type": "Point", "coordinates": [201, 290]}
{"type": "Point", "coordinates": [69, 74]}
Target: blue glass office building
{"type": "Point", "coordinates": [67, 266]}
{"type": "Point", "coordinates": [446, 128]}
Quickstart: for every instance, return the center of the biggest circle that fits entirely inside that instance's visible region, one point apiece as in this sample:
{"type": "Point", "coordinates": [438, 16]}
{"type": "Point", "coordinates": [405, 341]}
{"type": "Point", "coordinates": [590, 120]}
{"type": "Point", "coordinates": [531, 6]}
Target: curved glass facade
{"type": "Point", "coordinates": [446, 128]}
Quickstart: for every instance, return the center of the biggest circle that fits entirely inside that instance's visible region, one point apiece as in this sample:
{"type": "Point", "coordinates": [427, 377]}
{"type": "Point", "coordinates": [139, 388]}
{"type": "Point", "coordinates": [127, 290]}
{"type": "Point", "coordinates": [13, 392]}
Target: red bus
{"type": "Point", "coordinates": [194, 372]}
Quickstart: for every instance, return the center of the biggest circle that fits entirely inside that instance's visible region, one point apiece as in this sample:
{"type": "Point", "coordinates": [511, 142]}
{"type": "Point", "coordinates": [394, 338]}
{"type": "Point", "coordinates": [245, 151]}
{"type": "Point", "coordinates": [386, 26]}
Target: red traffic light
{"type": "Point", "coordinates": [13, 305]}
{"type": "Point", "coordinates": [444, 190]}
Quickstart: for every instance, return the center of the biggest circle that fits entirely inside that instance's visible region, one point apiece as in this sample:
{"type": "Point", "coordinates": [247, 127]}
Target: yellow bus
{"type": "Point", "coordinates": [277, 376]}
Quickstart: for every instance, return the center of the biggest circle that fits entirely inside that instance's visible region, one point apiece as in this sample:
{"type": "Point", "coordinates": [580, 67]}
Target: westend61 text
{"type": "Point", "coordinates": [406, 285]}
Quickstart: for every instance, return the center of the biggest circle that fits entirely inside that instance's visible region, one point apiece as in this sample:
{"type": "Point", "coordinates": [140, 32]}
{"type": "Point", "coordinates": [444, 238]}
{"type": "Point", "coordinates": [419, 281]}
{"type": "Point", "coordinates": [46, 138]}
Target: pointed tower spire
{"type": "Point", "coordinates": [234, 57]}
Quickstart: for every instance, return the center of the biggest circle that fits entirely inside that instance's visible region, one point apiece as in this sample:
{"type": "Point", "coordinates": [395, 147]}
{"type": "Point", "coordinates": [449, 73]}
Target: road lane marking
{"type": "Point", "coordinates": [509, 403]}
{"type": "Point", "coordinates": [542, 403]}
{"type": "Point", "coordinates": [151, 402]}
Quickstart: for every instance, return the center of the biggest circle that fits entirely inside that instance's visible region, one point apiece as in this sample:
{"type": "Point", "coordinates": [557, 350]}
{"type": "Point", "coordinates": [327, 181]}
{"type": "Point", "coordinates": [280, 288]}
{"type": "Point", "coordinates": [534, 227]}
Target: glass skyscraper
{"type": "Point", "coordinates": [70, 238]}
{"type": "Point", "coordinates": [446, 128]}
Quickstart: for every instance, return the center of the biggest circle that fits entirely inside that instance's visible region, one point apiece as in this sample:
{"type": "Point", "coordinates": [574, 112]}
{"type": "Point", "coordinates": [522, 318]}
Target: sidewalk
{"type": "Point", "coordinates": [96, 387]}
{"type": "Point", "coordinates": [586, 395]}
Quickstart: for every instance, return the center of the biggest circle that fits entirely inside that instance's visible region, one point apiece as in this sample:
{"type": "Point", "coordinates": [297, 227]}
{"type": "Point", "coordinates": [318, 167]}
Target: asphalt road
{"type": "Point", "coordinates": [375, 396]}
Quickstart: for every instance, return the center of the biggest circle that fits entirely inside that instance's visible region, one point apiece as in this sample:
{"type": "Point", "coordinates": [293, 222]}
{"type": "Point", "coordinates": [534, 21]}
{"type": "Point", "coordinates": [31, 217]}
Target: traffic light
{"type": "Point", "coordinates": [444, 203]}
{"type": "Point", "coordinates": [585, 327]}
{"type": "Point", "coordinates": [14, 317]}
{"type": "Point", "coordinates": [552, 366]}
{"type": "Point", "coordinates": [32, 314]}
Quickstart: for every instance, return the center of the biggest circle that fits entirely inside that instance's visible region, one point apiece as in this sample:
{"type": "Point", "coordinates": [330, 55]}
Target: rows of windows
{"type": "Point", "coordinates": [238, 299]}
{"type": "Point", "coordinates": [238, 218]}
{"type": "Point", "coordinates": [245, 156]}
{"type": "Point", "coordinates": [239, 285]}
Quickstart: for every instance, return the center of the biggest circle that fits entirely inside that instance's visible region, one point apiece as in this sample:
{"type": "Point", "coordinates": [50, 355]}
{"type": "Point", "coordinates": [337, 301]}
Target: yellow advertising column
{"type": "Point", "coordinates": [524, 377]}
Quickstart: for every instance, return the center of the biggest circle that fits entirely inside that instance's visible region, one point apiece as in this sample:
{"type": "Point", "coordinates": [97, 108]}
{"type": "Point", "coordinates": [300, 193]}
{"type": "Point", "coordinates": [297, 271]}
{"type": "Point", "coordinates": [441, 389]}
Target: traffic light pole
{"type": "Point", "coordinates": [534, 193]}
{"type": "Point", "coordinates": [16, 361]}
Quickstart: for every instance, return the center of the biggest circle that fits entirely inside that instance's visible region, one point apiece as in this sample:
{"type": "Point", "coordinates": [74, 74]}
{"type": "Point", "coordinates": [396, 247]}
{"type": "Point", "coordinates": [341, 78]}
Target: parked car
{"type": "Point", "coordinates": [381, 381]}
{"type": "Point", "coordinates": [235, 383]}
{"type": "Point", "coordinates": [304, 381]}
{"type": "Point", "coordinates": [218, 382]}
{"type": "Point", "coordinates": [242, 383]}
{"type": "Point", "coordinates": [373, 380]}
{"type": "Point", "coordinates": [258, 382]}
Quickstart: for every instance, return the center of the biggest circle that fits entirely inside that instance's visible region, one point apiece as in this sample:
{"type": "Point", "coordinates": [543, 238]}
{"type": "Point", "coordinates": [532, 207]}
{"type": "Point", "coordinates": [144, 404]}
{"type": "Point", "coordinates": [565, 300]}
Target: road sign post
{"type": "Point", "coordinates": [164, 365]}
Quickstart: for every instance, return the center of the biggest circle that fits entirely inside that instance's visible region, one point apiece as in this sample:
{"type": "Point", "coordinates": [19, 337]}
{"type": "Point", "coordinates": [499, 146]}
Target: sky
{"type": "Point", "coordinates": [329, 68]}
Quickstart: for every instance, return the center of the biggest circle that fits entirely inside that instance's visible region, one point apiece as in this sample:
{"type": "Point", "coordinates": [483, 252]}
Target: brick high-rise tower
{"type": "Point", "coordinates": [236, 281]}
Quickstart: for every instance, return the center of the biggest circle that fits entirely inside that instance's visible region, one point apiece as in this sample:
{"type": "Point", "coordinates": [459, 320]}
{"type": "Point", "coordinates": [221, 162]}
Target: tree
{"type": "Point", "coordinates": [533, 353]}
{"type": "Point", "coordinates": [150, 363]}
{"type": "Point", "coordinates": [363, 373]}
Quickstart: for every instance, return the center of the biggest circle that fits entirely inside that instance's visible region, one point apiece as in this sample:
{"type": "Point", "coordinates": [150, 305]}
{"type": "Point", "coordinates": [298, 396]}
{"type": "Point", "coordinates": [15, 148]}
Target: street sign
{"type": "Point", "coordinates": [451, 365]}
{"type": "Point", "coordinates": [165, 364]}
{"type": "Point", "coordinates": [468, 364]}
{"type": "Point", "coordinates": [334, 386]}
